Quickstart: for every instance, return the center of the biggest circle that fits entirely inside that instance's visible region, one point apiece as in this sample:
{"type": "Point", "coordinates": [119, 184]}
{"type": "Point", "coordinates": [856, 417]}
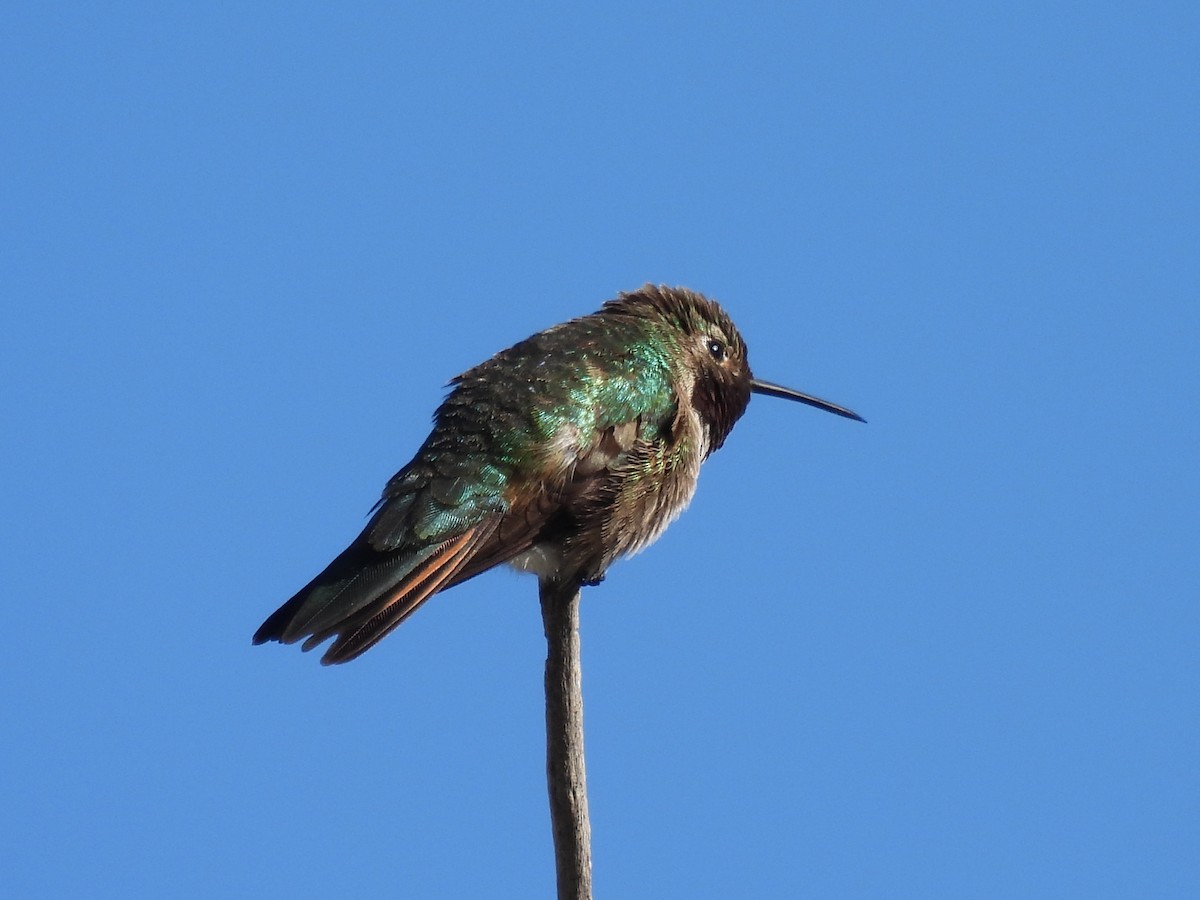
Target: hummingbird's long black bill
{"type": "Point", "coordinates": [777, 390]}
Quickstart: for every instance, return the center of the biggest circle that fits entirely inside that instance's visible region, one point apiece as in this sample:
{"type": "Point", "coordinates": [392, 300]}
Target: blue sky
{"type": "Point", "coordinates": [953, 652]}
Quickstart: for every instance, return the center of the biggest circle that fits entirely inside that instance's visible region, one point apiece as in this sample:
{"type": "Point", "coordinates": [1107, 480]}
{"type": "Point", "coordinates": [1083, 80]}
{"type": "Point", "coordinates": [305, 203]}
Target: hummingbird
{"type": "Point", "coordinates": [557, 456]}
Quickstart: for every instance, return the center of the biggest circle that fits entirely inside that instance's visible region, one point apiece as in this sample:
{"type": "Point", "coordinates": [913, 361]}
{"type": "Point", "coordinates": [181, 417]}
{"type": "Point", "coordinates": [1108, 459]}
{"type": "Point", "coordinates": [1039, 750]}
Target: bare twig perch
{"type": "Point", "coordinates": [566, 775]}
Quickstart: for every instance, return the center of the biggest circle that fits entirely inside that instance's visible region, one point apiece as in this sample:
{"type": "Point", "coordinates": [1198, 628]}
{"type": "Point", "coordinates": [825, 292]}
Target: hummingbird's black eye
{"type": "Point", "coordinates": [716, 348]}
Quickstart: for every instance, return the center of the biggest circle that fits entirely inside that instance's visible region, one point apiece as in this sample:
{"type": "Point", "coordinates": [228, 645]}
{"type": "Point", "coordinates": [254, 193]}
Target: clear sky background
{"type": "Point", "coordinates": [954, 652]}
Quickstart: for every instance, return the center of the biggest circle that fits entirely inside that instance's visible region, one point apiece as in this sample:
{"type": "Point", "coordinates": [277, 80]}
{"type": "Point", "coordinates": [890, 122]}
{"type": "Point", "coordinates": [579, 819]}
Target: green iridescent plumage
{"type": "Point", "coordinates": [571, 448]}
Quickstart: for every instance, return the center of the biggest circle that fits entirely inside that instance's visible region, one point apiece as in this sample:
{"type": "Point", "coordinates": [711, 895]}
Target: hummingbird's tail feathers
{"type": "Point", "coordinates": [357, 575]}
{"type": "Point", "coordinates": [359, 632]}
{"type": "Point", "coordinates": [365, 593]}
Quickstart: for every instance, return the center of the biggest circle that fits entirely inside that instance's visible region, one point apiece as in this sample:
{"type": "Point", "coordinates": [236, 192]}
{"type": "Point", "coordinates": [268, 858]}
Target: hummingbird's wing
{"type": "Point", "coordinates": [363, 594]}
{"type": "Point", "coordinates": [430, 571]}
{"type": "Point", "coordinates": [418, 541]}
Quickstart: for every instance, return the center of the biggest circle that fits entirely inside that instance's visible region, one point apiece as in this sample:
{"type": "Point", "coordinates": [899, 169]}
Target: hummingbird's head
{"type": "Point", "coordinates": [706, 349]}
{"type": "Point", "coordinates": [711, 356]}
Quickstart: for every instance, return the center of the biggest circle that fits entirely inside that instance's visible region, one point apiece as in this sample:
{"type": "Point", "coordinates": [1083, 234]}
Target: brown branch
{"type": "Point", "coordinates": [565, 772]}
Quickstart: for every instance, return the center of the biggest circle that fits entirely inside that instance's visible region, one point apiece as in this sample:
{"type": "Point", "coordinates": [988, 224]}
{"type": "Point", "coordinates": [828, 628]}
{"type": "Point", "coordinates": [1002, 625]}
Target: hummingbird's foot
{"type": "Point", "coordinates": [592, 581]}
